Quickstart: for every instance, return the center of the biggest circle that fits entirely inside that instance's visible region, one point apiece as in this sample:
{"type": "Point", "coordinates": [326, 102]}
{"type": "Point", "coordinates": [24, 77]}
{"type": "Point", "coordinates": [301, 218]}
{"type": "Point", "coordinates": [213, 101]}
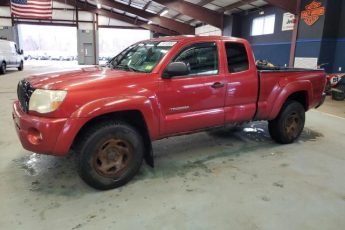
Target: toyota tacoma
{"type": "Point", "coordinates": [156, 89]}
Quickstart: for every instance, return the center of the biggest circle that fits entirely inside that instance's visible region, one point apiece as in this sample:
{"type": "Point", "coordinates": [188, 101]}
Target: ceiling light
{"type": "Point", "coordinates": [262, 12]}
{"type": "Point", "coordinates": [164, 12]}
{"type": "Point", "coordinates": [149, 22]}
{"type": "Point", "coordinates": [99, 6]}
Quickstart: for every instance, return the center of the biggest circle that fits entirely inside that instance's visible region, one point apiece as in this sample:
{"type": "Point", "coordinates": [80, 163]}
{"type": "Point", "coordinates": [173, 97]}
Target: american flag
{"type": "Point", "coordinates": [40, 9]}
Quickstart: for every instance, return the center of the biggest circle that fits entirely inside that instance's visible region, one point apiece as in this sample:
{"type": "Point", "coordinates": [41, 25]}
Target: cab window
{"type": "Point", "coordinates": [237, 57]}
{"type": "Point", "coordinates": [201, 58]}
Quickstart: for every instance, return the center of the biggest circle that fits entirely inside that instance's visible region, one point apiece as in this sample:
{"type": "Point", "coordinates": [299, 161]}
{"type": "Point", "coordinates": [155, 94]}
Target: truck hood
{"type": "Point", "coordinates": [82, 78]}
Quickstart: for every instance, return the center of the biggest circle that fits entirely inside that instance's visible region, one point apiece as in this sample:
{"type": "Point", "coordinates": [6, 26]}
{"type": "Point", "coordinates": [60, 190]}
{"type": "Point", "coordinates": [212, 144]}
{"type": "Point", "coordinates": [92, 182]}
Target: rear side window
{"type": "Point", "coordinates": [237, 57]}
{"type": "Point", "coordinates": [201, 58]}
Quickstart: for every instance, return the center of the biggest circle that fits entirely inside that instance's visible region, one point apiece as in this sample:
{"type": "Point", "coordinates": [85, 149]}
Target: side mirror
{"type": "Point", "coordinates": [176, 69]}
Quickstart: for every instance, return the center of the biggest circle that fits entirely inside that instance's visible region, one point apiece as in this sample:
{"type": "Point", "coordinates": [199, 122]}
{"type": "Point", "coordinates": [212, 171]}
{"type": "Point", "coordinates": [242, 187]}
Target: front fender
{"type": "Point", "coordinates": [288, 90]}
{"type": "Point", "coordinates": [103, 106]}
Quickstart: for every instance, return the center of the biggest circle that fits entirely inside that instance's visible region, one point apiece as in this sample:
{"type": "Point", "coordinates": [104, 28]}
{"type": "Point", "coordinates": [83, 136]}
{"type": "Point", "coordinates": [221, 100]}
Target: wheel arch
{"type": "Point", "coordinates": [301, 97]}
{"type": "Point", "coordinates": [299, 91]}
{"type": "Point", "coordinates": [132, 117]}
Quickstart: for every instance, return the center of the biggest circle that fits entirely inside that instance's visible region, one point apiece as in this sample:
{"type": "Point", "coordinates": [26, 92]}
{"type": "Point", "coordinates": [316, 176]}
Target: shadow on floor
{"type": "Point", "coordinates": [174, 157]}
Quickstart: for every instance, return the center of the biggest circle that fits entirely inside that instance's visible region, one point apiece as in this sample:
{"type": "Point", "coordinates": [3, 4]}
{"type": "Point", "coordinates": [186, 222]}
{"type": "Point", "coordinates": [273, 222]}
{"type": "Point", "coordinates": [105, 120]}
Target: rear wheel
{"type": "Point", "coordinates": [3, 68]}
{"type": "Point", "coordinates": [110, 154]}
{"type": "Point", "coordinates": [289, 124]}
{"type": "Point", "coordinates": [339, 95]}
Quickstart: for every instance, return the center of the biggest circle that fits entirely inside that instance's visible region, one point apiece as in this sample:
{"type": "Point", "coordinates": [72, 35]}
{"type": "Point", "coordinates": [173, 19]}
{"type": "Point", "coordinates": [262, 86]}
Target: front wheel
{"type": "Point", "coordinates": [289, 124]}
{"type": "Point", "coordinates": [110, 154]}
{"type": "Point", "coordinates": [3, 68]}
{"type": "Point", "coordinates": [21, 66]}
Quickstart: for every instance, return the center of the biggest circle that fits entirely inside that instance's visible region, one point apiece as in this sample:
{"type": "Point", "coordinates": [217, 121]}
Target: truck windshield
{"type": "Point", "coordinates": [141, 57]}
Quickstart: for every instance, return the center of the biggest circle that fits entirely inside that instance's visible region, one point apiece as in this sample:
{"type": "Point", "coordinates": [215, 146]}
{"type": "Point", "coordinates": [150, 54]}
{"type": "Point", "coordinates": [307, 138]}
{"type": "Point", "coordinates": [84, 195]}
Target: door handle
{"type": "Point", "coordinates": [217, 85]}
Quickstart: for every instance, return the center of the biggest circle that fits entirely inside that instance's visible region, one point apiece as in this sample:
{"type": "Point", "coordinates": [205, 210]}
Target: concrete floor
{"type": "Point", "coordinates": [224, 179]}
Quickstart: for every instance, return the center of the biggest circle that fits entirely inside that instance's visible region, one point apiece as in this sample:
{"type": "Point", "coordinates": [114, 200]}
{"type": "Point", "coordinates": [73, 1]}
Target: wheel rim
{"type": "Point", "coordinates": [113, 157]}
{"type": "Point", "coordinates": [293, 125]}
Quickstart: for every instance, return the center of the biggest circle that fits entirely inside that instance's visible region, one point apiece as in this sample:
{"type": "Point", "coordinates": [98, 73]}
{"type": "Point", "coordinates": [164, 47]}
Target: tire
{"type": "Point", "coordinates": [3, 68]}
{"type": "Point", "coordinates": [289, 124]}
{"type": "Point", "coordinates": [328, 88]}
{"type": "Point", "coordinates": [339, 96]}
{"type": "Point", "coordinates": [21, 66]}
{"type": "Point", "coordinates": [110, 155]}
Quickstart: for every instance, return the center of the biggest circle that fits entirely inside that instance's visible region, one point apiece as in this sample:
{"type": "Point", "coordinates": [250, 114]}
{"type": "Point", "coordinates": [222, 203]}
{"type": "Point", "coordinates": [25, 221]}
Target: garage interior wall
{"type": "Point", "coordinates": [87, 40]}
{"type": "Point", "coordinates": [324, 40]}
{"type": "Point", "coordinates": [271, 47]}
{"type": "Point", "coordinates": [7, 31]}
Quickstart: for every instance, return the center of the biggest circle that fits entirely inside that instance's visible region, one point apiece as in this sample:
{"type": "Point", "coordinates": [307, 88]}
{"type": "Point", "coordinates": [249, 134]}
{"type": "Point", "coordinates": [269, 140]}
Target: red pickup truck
{"type": "Point", "coordinates": [156, 89]}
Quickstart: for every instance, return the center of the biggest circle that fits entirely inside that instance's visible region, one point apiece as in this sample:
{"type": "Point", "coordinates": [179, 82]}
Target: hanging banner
{"type": "Point", "coordinates": [288, 21]}
{"type": "Point", "coordinates": [313, 12]}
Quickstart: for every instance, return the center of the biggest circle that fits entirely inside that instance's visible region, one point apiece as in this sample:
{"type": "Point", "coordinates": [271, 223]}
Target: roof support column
{"type": "Point", "coordinates": [294, 35]}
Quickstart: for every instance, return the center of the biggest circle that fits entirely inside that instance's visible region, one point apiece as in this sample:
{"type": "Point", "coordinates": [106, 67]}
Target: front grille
{"type": "Point", "coordinates": [24, 92]}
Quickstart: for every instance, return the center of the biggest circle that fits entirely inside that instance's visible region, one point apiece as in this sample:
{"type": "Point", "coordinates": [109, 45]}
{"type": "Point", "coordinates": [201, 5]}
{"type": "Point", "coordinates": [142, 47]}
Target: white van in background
{"type": "Point", "coordinates": [10, 56]}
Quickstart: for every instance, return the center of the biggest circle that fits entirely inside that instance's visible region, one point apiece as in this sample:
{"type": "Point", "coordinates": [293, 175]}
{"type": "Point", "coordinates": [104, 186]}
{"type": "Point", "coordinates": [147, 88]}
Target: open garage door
{"type": "Point", "coordinates": [113, 41]}
{"type": "Point", "coordinates": [48, 44]}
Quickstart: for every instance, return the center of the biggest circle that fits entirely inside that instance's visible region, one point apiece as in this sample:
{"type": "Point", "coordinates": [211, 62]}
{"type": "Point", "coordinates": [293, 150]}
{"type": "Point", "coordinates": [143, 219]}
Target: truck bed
{"type": "Point", "coordinates": [283, 69]}
{"type": "Point", "coordinates": [275, 82]}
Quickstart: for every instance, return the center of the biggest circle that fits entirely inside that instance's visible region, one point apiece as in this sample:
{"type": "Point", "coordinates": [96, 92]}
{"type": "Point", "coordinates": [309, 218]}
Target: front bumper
{"type": "Point", "coordinates": [323, 98]}
{"type": "Point", "coordinates": [52, 136]}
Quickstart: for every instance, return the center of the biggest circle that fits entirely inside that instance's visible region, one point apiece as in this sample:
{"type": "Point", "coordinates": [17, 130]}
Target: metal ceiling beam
{"type": "Point", "coordinates": [176, 16]}
{"type": "Point", "coordinates": [4, 2]}
{"type": "Point", "coordinates": [179, 27]}
{"type": "Point", "coordinates": [235, 5]}
{"type": "Point", "coordinates": [198, 12]}
{"type": "Point", "coordinates": [295, 34]}
{"type": "Point", "coordinates": [201, 3]}
{"type": "Point", "coordinates": [114, 15]}
{"type": "Point", "coordinates": [204, 2]}
{"type": "Point", "coordinates": [147, 5]}
{"type": "Point", "coordinates": [290, 5]}
{"type": "Point", "coordinates": [161, 11]}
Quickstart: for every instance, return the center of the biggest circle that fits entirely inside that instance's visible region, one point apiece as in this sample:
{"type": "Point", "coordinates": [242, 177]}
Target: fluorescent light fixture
{"type": "Point", "coordinates": [262, 12]}
{"type": "Point", "coordinates": [164, 12]}
{"type": "Point", "coordinates": [99, 5]}
{"type": "Point", "coordinates": [150, 22]}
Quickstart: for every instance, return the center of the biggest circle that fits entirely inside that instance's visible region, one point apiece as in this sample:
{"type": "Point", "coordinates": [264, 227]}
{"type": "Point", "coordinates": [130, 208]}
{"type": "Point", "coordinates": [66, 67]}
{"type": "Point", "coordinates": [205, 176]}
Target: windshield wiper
{"type": "Point", "coordinates": [126, 67]}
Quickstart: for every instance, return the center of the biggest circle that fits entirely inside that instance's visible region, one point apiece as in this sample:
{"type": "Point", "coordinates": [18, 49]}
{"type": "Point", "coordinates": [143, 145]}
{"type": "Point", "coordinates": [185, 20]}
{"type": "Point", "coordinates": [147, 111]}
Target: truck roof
{"type": "Point", "coordinates": [196, 38]}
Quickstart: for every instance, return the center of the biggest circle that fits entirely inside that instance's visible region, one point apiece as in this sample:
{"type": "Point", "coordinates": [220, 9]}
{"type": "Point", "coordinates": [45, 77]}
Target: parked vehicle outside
{"type": "Point", "coordinates": [10, 56]}
{"type": "Point", "coordinates": [336, 86]}
{"type": "Point", "coordinates": [61, 56]}
{"type": "Point", "coordinates": [106, 56]}
{"type": "Point", "coordinates": [156, 89]}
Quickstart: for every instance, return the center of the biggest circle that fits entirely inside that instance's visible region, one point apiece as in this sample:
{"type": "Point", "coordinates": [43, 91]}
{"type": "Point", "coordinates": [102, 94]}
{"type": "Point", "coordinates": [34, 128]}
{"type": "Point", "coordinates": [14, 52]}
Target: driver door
{"type": "Point", "coordinates": [194, 101]}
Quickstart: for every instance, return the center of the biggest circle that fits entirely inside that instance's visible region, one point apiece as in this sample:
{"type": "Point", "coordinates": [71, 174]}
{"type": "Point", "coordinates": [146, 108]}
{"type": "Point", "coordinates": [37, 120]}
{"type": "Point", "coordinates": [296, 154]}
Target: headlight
{"type": "Point", "coordinates": [45, 101]}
